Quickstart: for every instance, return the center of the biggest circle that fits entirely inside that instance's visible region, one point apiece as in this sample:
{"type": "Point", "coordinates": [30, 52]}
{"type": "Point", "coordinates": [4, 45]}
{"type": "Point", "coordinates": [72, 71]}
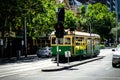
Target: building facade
{"type": "Point", "coordinates": [117, 9]}
{"type": "Point", "coordinates": [111, 5]}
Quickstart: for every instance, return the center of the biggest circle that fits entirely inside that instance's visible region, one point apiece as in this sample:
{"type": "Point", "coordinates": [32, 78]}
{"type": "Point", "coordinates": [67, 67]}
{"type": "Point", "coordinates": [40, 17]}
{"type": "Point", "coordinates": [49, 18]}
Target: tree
{"type": "Point", "coordinates": [40, 16]}
{"type": "Point", "coordinates": [82, 25]}
{"type": "Point", "coordinates": [99, 18]}
{"type": "Point", "coordinates": [43, 22]}
{"type": "Point", "coordinates": [7, 15]}
{"type": "Point", "coordinates": [70, 19]}
{"type": "Point", "coordinates": [116, 30]}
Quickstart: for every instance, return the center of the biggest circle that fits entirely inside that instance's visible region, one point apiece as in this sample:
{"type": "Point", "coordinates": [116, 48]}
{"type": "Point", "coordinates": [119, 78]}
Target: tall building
{"type": "Point", "coordinates": [111, 5]}
{"type": "Point", "coordinates": [95, 1]}
{"type": "Point", "coordinates": [117, 9]}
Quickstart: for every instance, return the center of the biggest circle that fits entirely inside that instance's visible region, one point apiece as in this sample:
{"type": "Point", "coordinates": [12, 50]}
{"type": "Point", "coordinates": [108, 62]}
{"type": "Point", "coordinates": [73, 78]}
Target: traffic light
{"type": "Point", "coordinates": [72, 28]}
{"type": "Point", "coordinates": [59, 30]}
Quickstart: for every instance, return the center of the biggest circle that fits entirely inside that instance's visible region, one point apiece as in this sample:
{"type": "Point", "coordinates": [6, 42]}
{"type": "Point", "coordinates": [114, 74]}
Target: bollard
{"type": "Point", "coordinates": [18, 54]}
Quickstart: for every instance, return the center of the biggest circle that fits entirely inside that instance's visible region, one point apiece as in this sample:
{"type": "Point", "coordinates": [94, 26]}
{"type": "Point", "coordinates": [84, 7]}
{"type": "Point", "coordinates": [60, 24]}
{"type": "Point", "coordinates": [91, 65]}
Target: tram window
{"type": "Point", "coordinates": [53, 40]}
{"type": "Point", "coordinates": [83, 43]}
{"type": "Point", "coordinates": [89, 39]}
{"type": "Point", "coordinates": [60, 41]}
{"type": "Point", "coordinates": [79, 38]}
{"type": "Point", "coordinates": [67, 40]}
{"type": "Point", "coordinates": [77, 43]}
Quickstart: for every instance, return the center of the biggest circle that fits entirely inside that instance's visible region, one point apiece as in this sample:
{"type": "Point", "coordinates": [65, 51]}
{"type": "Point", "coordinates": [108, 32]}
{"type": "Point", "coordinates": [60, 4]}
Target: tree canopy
{"type": "Point", "coordinates": [41, 17]}
{"type": "Point", "coordinates": [98, 17]}
{"type": "Point", "coordinates": [70, 19]}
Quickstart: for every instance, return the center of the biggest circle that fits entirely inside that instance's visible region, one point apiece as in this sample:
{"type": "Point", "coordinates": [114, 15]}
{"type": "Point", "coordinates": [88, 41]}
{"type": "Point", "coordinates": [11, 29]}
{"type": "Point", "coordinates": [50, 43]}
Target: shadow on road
{"type": "Point", "coordinates": [70, 69]}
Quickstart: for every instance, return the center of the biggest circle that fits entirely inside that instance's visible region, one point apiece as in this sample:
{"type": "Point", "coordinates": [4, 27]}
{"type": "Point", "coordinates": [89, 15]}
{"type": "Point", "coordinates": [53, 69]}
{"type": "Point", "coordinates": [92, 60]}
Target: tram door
{"type": "Point", "coordinates": [89, 47]}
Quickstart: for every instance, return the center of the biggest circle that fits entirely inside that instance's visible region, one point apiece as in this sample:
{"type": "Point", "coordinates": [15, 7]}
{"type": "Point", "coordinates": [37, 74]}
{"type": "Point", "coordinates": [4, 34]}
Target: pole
{"type": "Point", "coordinates": [22, 43]}
{"type": "Point", "coordinates": [2, 48]}
{"type": "Point", "coordinates": [25, 33]}
{"type": "Point", "coordinates": [57, 39]}
{"type": "Point", "coordinates": [68, 55]}
{"type": "Point", "coordinates": [57, 52]}
{"type": "Point", "coordinates": [56, 14]}
{"type": "Point", "coordinates": [116, 32]}
{"type": "Point", "coordinates": [91, 40]}
{"type": "Point", "coordinates": [116, 5]}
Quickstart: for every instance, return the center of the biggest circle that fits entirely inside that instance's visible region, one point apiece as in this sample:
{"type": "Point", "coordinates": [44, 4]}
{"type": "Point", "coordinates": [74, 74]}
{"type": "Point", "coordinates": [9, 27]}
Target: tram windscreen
{"type": "Point", "coordinates": [54, 40]}
{"type": "Point", "coordinates": [67, 40]}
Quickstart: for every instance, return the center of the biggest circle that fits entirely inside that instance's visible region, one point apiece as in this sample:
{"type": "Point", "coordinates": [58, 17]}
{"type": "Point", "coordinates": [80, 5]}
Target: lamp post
{"type": "Point", "coordinates": [116, 32]}
{"type": "Point", "coordinates": [91, 40]}
{"type": "Point", "coordinates": [25, 35]}
{"type": "Point", "coordinates": [116, 3]}
{"type": "Point", "coordinates": [90, 22]}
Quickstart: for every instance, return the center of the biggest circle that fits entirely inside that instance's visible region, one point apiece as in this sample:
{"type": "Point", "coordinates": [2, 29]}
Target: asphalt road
{"type": "Point", "coordinates": [96, 70]}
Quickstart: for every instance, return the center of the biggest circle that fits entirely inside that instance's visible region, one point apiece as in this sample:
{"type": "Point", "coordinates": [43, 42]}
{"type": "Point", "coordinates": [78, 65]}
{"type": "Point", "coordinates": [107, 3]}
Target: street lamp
{"type": "Point", "coordinates": [25, 32]}
{"type": "Point", "coordinates": [116, 3]}
{"type": "Point", "coordinates": [90, 22]}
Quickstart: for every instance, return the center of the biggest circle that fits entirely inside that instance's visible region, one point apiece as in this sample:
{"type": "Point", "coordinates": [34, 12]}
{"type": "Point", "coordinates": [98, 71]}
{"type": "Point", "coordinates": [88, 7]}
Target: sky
{"type": "Point", "coordinates": [77, 2]}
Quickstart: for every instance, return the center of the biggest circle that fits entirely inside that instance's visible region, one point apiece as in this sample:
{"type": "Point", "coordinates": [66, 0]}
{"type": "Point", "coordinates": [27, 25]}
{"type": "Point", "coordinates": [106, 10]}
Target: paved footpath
{"type": "Point", "coordinates": [69, 65]}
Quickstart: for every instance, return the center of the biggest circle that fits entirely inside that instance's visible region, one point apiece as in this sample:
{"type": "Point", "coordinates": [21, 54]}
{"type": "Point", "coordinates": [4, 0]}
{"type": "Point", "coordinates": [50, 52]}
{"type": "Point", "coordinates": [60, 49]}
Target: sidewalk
{"type": "Point", "coordinates": [29, 58]}
{"type": "Point", "coordinates": [62, 66]}
{"type": "Point", "coordinates": [71, 64]}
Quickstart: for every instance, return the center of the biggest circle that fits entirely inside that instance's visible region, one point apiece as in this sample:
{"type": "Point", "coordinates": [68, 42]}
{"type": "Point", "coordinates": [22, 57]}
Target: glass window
{"type": "Point", "coordinates": [80, 38]}
{"type": "Point", "coordinates": [77, 43]}
{"type": "Point", "coordinates": [53, 40]}
{"type": "Point", "coordinates": [67, 40]}
{"type": "Point", "coordinates": [60, 41]}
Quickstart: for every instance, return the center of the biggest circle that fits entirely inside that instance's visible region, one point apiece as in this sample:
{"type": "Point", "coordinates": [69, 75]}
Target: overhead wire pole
{"type": "Point", "coordinates": [91, 37]}
{"type": "Point", "coordinates": [116, 32]}
{"type": "Point", "coordinates": [59, 28]}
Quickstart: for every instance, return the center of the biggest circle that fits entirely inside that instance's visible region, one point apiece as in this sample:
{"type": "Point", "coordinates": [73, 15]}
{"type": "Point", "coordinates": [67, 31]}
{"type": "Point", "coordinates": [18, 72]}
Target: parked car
{"type": "Point", "coordinates": [44, 52]}
{"type": "Point", "coordinates": [116, 56]}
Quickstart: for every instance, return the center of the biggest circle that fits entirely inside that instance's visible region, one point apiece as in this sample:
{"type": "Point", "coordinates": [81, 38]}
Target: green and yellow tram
{"type": "Point", "coordinates": [78, 44]}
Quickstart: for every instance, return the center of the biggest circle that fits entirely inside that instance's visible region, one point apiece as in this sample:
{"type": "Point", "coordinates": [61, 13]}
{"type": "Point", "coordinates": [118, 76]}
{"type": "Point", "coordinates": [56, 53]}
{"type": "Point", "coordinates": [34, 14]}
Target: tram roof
{"type": "Point", "coordinates": [79, 33]}
{"type": "Point", "coordinates": [86, 34]}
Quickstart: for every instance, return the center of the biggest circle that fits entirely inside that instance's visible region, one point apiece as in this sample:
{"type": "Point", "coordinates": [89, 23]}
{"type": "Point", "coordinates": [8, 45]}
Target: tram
{"type": "Point", "coordinates": [77, 44]}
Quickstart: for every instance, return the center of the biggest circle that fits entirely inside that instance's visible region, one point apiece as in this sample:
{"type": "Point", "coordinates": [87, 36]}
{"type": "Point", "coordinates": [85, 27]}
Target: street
{"type": "Point", "coordinates": [96, 70]}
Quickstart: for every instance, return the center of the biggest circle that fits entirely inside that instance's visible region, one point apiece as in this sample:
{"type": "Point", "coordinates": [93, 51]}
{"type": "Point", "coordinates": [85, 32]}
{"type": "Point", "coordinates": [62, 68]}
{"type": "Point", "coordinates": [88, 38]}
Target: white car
{"type": "Point", "coordinates": [44, 52]}
{"type": "Point", "coordinates": [116, 56]}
